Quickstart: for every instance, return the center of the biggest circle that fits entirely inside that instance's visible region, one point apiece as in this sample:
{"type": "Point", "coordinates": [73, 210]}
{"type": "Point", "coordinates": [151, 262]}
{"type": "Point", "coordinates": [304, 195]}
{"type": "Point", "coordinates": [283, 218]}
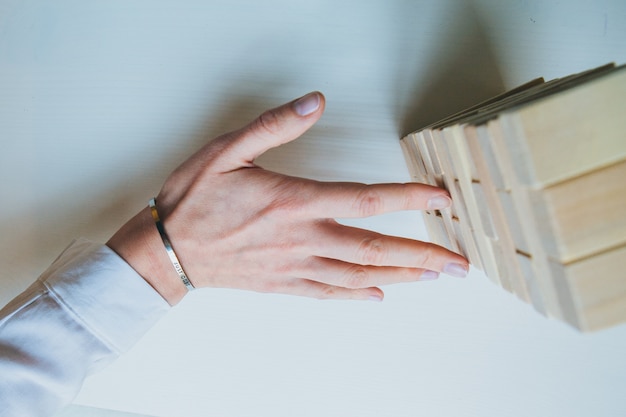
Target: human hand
{"type": "Point", "coordinates": [236, 225]}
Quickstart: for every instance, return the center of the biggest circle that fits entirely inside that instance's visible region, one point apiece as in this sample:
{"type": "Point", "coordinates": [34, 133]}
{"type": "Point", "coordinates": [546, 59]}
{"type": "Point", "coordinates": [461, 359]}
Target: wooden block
{"type": "Point", "coordinates": [503, 251]}
{"type": "Point", "coordinates": [423, 151]}
{"type": "Point", "coordinates": [507, 269]}
{"type": "Point", "coordinates": [461, 240]}
{"type": "Point", "coordinates": [462, 237]}
{"type": "Point", "coordinates": [466, 239]}
{"type": "Point", "coordinates": [413, 160]}
{"type": "Point", "coordinates": [502, 248]}
{"type": "Point", "coordinates": [434, 178]}
{"type": "Point", "coordinates": [583, 216]}
{"type": "Point", "coordinates": [421, 165]}
{"type": "Point", "coordinates": [468, 233]}
{"type": "Point", "coordinates": [463, 166]}
{"type": "Point", "coordinates": [434, 220]}
{"type": "Point", "coordinates": [515, 214]}
{"type": "Point", "coordinates": [442, 147]}
{"type": "Point", "coordinates": [455, 241]}
{"type": "Point", "coordinates": [523, 212]}
{"type": "Point", "coordinates": [433, 227]}
{"type": "Point", "coordinates": [513, 222]}
{"type": "Point", "coordinates": [448, 174]}
{"type": "Point", "coordinates": [569, 311]}
{"type": "Point", "coordinates": [534, 291]}
{"type": "Point", "coordinates": [482, 149]}
{"type": "Point", "coordinates": [484, 210]}
{"type": "Point", "coordinates": [436, 231]}
{"type": "Point", "coordinates": [439, 232]}
{"type": "Point", "coordinates": [409, 159]}
{"type": "Point", "coordinates": [499, 230]}
{"type": "Point", "coordinates": [585, 126]}
{"type": "Point", "coordinates": [501, 154]}
{"type": "Point", "coordinates": [443, 238]}
{"type": "Point", "coordinates": [427, 177]}
{"type": "Point", "coordinates": [462, 162]}
{"type": "Point", "coordinates": [597, 288]}
{"type": "Point", "coordinates": [432, 151]}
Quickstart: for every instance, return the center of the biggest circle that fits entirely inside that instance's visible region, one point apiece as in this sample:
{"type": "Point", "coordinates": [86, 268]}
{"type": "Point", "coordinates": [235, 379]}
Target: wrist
{"type": "Point", "coordinates": [138, 242]}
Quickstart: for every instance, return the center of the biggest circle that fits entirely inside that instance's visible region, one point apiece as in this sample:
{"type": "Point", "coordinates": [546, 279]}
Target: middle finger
{"type": "Point", "coordinates": [364, 247]}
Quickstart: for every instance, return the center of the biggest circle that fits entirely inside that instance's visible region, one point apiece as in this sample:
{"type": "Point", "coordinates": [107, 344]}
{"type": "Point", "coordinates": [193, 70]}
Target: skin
{"type": "Point", "coordinates": [236, 225]}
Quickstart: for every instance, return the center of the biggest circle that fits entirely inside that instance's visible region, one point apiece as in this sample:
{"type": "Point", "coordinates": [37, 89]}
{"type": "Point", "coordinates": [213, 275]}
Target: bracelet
{"type": "Point", "coordinates": [168, 247]}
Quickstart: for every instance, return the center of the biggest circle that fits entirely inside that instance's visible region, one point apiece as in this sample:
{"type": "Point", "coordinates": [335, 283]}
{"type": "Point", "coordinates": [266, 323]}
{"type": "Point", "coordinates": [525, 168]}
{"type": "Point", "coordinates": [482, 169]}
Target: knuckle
{"type": "Point", "coordinates": [268, 286]}
{"type": "Point", "coordinates": [373, 251]}
{"type": "Point", "coordinates": [289, 199]}
{"type": "Point", "coordinates": [356, 277]}
{"type": "Point", "coordinates": [286, 207]}
{"type": "Point", "coordinates": [284, 269]}
{"type": "Point", "coordinates": [411, 199]}
{"type": "Point", "coordinates": [406, 274]}
{"type": "Point", "coordinates": [426, 257]}
{"type": "Point", "coordinates": [369, 202]}
{"type": "Point", "coordinates": [268, 123]}
{"type": "Point", "coordinates": [326, 293]}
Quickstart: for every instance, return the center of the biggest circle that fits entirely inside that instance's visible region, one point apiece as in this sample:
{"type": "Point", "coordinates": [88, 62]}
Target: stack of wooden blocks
{"type": "Point", "coordinates": [537, 177]}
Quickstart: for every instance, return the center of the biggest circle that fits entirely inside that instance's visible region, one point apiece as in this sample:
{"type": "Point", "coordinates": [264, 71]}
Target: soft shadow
{"type": "Point", "coordinates": [463, 71]}
{"type": "Point", "coordinates": [35, 237]}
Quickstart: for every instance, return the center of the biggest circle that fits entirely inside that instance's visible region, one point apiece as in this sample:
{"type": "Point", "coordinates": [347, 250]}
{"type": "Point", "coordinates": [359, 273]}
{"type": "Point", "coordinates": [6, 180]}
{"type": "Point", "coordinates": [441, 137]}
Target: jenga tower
{"type": "Point", "coordinates": [538, 181]}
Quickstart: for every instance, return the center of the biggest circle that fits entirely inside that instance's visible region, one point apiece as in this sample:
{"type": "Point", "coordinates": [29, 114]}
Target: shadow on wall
{"type": "Point", "coordinates": [466, 74]}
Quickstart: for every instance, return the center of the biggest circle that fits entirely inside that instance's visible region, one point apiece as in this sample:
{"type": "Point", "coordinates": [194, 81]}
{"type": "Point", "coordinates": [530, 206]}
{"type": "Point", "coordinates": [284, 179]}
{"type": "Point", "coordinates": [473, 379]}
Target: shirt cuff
{"type": "Point", "coordinates": [105, 293]}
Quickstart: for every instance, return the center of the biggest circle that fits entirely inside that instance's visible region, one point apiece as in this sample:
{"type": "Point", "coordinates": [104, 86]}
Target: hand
{"type": "Point", "coordinates": [236, 225]}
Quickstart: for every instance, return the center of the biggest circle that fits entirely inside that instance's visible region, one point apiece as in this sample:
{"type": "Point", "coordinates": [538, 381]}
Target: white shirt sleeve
{"type": "Point", "coordinates": [84, 311]}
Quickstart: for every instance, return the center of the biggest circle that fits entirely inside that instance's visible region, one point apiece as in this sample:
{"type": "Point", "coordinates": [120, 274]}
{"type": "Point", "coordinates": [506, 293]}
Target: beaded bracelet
{"type": "Point", "coordinates": [168, 247]}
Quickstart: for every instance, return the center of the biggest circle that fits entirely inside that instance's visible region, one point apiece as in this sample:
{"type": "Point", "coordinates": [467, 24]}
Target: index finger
{"type": "Point", "coordinates": [352, 200]}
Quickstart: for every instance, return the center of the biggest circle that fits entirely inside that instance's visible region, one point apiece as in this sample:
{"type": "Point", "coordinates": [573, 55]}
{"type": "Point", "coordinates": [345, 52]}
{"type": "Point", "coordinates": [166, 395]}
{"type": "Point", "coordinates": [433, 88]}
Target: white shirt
{"type": "Point", "coordinates": [86, 309]}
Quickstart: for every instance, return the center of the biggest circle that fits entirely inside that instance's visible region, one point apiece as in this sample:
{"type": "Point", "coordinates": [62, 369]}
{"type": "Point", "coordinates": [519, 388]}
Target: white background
{"type": "Point", "coordinates": [100, 100]}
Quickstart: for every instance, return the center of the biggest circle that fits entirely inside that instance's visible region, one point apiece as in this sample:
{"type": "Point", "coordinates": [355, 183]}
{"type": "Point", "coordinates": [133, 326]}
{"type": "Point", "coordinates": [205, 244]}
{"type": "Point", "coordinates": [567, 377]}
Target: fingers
{"type": "Point", "coordinates": [319, 290]}
{"type": "Point", "coordinates": [333, 279]}
{"type": "Point", "coordinates": [354, 276]}
{"type": "Point", "coordinates": [271, 129]}
{"type": "Point", "coordinates": [348, 200]}
{"type": "Point", "coordinates": [363, 247]}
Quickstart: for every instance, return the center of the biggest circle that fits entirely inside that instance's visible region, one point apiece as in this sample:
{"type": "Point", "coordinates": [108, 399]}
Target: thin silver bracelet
{"type": "Point", "coordinates": [168, 247]}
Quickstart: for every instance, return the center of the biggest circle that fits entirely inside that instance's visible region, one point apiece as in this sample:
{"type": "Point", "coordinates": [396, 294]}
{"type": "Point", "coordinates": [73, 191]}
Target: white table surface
{"type": "Point", "coordinates": [99, 101]}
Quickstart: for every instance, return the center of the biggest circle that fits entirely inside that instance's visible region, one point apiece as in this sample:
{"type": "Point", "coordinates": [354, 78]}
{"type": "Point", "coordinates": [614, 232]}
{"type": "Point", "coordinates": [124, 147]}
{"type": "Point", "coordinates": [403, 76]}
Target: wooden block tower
{"type": "Point", "coordinates": [537, 177]}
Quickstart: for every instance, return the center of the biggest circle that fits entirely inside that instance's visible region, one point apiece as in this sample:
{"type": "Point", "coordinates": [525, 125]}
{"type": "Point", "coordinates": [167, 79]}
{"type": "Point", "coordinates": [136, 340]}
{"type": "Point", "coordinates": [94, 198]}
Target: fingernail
{"type": "Point", "coordinates": [429, 276]}
{"type": "Point", "coordinates": [439, 202]}
{"type": "Point", "coordinates": [307, 104]}
{"type": "Point", "coordinates": [376, 298]}
{"type": "Point", "coordinates": [456, 270]}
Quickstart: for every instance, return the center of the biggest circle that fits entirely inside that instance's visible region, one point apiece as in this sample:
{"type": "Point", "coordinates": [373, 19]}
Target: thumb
{"type": "Point", "coordinates": [271, 129]}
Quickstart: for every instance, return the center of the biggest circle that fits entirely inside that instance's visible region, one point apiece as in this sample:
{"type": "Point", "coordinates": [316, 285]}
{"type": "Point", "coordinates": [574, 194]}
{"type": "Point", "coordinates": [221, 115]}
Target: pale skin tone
{"type": "Point", "coordinates": [235, 225]}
